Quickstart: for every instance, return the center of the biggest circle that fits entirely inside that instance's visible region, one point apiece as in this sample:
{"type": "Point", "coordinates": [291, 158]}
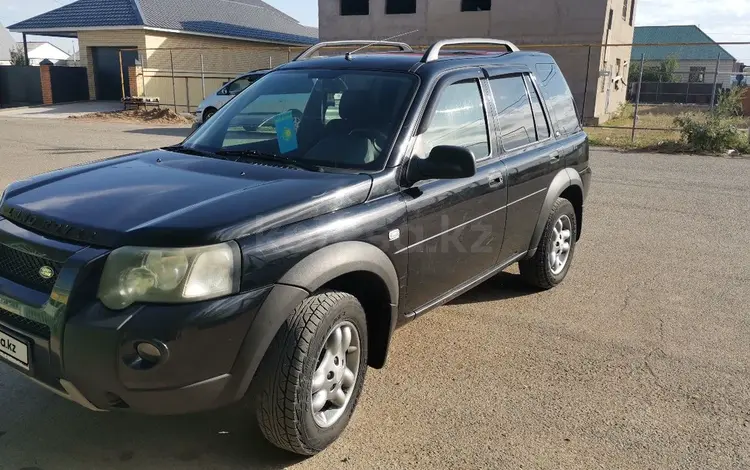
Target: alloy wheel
{"type": "Point", "coordinates": [560, 244]}
{"type": "Point", "coordinates": [336, 374]}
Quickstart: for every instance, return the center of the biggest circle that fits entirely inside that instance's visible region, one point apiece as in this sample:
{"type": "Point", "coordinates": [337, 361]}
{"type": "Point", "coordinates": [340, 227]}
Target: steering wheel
{"type": "Point", "coordinates": [296, 116]}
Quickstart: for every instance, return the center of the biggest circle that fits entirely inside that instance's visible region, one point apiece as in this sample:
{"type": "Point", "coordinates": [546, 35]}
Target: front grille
{"type": "Point", "coordinates": [24, 324]}
{"type": "Point", "coordinates": [23, 269]}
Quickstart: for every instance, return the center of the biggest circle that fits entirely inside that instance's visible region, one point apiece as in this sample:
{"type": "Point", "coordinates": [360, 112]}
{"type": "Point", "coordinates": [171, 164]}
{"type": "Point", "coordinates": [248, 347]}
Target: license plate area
{"type": "Point", "coordinates": [15, 350]}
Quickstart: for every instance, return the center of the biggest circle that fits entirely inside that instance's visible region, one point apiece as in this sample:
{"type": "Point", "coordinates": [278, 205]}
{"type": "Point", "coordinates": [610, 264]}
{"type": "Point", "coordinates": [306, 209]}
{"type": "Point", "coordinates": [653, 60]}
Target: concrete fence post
{"type": "Point", "coordinates": [187, 92]}
{"type": "Point", "coordinates": [716, 81]}
{"type": "Point", "coordinates": [586, 88]}
{"type": "Point", "coordinates": [174, 85]}
{"type": "Point", "coordinates": [637, 98]}
{"type": "Point", "coordinates": [203, 77]}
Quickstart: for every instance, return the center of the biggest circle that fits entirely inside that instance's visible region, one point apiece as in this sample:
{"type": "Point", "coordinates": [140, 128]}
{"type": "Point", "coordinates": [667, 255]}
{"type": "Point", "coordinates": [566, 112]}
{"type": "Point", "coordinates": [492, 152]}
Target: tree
{"type": "Point", "coordinates": [17, 55]}
{"type": "Point", "coordinates": [664, 71]}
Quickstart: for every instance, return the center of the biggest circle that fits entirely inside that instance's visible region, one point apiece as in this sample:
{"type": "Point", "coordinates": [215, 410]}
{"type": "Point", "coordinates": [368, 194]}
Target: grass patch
{"type": "Point", "coordinates": [649, 117]}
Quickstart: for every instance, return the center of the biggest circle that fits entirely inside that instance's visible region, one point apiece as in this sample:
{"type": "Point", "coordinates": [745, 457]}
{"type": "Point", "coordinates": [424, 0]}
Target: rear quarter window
{"type": "Point", "coordinates": [559, 98]}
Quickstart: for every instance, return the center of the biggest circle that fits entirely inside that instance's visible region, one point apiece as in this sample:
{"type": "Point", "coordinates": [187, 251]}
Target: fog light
{"type": "Point", "coordinates": [149, 352]}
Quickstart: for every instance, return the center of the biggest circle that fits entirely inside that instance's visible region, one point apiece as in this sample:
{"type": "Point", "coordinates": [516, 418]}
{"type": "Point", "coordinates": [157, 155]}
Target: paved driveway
{"type": "Point", "coordinates": [61, 111]}
{"type": "Point", "coordinates": [639, 360]}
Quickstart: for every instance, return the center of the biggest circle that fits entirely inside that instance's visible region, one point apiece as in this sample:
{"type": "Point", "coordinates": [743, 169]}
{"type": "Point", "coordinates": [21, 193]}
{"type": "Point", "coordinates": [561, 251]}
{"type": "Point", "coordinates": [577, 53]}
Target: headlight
{"type": "Point", "coordinates": [169, 275]}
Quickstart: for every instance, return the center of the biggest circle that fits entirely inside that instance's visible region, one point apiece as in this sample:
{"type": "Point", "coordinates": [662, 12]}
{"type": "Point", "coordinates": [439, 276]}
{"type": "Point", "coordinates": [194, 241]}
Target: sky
{"type": "Point", "coordinates": [725, 20]}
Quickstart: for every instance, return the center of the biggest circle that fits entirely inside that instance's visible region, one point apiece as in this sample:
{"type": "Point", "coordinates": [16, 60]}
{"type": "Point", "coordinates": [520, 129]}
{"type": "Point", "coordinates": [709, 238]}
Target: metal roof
{"type": "Point", "coordinates": [242, 19]}
{"type": "Point", "coordinates": [672, 35]}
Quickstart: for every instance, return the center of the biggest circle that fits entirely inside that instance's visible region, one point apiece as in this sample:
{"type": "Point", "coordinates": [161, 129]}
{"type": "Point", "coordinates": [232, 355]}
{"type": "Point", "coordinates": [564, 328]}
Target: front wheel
{"type": "Point", "coordinates": [554, 254]}
{"type": "Point", "coordinates": [313, 373]}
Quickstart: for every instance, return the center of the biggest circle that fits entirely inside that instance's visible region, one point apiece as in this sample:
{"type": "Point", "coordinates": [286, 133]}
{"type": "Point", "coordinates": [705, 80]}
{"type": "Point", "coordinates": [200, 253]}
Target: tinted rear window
{"type": "Point", "coordinates": [559, 98]}
{"type": "Point", "coordinates": [514, 108]}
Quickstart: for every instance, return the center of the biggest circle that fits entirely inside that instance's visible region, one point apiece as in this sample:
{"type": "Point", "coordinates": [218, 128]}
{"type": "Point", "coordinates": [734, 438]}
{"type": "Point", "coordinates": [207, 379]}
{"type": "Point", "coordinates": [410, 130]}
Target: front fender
{"type": "Point", "coordinates": [338, 259]}
{"type": "Point", "coordinates": [307, 276]}
{"type": "Point", "coordinates": [566, 178]}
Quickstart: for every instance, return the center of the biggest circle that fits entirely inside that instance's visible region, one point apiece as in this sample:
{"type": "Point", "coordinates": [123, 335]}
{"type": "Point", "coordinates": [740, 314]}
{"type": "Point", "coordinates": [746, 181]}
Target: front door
{"type": "Point", "coordinates": [108, 75]}
{"type": "Point", "coordinates": [456, 227]}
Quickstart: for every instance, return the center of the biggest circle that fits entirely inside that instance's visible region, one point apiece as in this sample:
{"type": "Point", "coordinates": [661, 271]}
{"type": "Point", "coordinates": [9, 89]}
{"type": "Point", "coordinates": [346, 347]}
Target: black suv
{"type": "Point", "coordinates": [274, 257]}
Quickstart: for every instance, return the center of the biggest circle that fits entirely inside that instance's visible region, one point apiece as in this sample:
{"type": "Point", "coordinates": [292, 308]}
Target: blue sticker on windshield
{"type": "Point", "coordinates": [286, 132]}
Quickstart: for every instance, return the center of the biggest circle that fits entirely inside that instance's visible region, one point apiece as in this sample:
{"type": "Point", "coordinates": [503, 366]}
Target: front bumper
{"type": "Point", "coordinates": [87, 353]}
{"type": "Point", "coordinates": [99, 366]}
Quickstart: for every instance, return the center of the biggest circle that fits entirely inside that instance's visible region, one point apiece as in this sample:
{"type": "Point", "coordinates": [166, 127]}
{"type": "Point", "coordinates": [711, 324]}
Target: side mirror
{"type": "Point", "coordinates": [444, 162]}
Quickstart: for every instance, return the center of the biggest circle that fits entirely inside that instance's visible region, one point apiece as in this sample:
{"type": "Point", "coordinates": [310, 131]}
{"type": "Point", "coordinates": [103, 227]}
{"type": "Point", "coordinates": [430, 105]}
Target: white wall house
{"type": "Point", "coordinates": [6, 44]}
{"type": "Point", "coordinates": [38, 51]}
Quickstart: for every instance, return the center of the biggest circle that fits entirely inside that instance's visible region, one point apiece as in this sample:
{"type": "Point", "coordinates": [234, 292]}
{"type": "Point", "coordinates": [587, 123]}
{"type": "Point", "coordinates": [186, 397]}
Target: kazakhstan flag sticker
{"type": "Point", "coordinates": [286, 132]}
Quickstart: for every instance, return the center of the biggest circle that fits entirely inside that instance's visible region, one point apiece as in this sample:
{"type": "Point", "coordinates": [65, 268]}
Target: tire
{"type": "Point", "coordinates": [285, 404]}
{"type": "Point", "coordinates": [538, 271]}
{"type": "Point", "coordinates": [208, 114]}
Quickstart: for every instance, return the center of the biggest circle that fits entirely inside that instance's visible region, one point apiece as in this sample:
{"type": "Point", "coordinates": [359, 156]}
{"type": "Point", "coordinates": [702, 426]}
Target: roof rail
{"type": "Point", "coordinates": [433, 53]}
{"type": "Point", "coordinates": [312, 50]}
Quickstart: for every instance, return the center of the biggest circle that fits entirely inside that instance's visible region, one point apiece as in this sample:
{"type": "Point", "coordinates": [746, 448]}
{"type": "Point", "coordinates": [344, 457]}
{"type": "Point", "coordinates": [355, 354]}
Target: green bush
{"type": "Point", "coordinates": [711, 133]}
{"type": "Point", "coordinates": [624, 111]}
{"type": "Point", "coordinates": [730, 102]}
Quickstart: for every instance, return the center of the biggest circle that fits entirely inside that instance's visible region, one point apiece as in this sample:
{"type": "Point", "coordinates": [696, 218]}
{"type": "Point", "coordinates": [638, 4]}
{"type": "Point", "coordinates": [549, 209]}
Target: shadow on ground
{"type": "Point", "coordinates": [503, 286]}
{"type": "Point", "coordinates": [222, 438]}
{"type": "Point", "coordinates": [167, 131]}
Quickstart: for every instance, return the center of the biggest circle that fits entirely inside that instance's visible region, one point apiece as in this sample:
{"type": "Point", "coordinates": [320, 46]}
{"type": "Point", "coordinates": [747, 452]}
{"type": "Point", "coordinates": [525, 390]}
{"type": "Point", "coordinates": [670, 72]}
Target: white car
{"type": "Point", "coordinates": [224, 95]}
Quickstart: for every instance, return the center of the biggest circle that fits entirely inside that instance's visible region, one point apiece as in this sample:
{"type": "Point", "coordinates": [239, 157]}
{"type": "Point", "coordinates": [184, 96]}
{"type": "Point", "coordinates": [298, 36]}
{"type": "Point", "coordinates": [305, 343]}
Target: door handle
{"type": "Point", "coordinates": [496, 179]}
{"type": "Point", "coordinates": [554, 157]}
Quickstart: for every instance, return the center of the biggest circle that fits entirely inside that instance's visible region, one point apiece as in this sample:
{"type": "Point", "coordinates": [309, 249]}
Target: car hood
{"type": "Point", "coordinates": [164, 198]}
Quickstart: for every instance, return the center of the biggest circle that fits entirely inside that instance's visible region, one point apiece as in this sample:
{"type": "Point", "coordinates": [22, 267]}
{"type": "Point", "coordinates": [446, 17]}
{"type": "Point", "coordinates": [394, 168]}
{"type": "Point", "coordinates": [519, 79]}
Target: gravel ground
{"type": "Point", "coordinates": [639, 360]}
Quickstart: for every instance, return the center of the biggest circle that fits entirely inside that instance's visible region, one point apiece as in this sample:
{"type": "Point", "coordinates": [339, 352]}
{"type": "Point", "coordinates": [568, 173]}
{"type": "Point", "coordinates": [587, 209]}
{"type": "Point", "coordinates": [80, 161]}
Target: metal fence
{"type": "Point", "coordinates": [20, 86]}
{"type": "Point", "coordinates": [603, 77]}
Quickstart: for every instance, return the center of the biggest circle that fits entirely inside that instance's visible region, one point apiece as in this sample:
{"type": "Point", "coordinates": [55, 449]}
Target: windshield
{"type": "Point", "coordinates": [342, 119]}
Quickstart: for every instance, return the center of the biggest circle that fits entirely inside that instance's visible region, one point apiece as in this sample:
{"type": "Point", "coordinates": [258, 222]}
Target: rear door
{"type": "Point", "coordinates": [456, 226]}
{"type": "Point", "coordinates": [530, 154]}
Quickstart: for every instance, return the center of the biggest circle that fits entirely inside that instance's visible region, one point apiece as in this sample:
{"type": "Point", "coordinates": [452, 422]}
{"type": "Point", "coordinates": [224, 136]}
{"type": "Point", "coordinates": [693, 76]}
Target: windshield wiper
{"type": "Point", "coordinates": [268, 157]}
{"type": "Point", "coordinates": [192, 151]}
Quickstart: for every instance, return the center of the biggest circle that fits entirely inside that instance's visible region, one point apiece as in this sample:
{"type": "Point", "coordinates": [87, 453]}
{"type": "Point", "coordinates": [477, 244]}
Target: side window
{"type": "Point", "coordinates": [459, 119]}
{"type": "Point", "coordinates": [559, 98]}
{"type": "Point", "coordinates": [514, 110]}
{"type": "Point", "coordinates": [540, 121]}
{"type": "Point", "coordinates": [237, 86]}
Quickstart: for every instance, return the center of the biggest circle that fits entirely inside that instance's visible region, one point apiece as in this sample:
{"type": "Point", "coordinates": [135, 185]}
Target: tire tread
{"type": "Point", "coordinates": [534, 270]}
{"type": "Point", "coordinates": [281, 372]}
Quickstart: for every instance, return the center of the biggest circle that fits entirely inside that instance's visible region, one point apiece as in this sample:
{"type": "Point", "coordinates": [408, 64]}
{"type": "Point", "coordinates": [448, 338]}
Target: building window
{"type": "Point", "coordinates": [632, 11]}
{"type": "Point", "coordinates": [625, 10]}
{"type": "Point", "coordinates": [610, 19]}
{"type": "Point", "coordinates": [355, 7]}
{"type": "Point", "coordinates": [476, 5]}
{"type": "Point", "coordinates": [618, 67]}
{"type": "Point", "coordinates": [400, 7]}
{"type": "Point", "coordinates": [697, 75]}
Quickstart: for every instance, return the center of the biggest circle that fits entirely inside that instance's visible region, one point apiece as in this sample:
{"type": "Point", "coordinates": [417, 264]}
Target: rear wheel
{"type": "Point", "coordinates": [313, 373]}
{"type": "Point", "coordinates": [208, 114]}
{"type": "Point", "coordinates": [554, 254]}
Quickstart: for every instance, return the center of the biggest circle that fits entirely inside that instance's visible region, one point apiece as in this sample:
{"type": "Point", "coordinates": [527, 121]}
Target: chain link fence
{"type": "Point", "coordinates": [608, 81]}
